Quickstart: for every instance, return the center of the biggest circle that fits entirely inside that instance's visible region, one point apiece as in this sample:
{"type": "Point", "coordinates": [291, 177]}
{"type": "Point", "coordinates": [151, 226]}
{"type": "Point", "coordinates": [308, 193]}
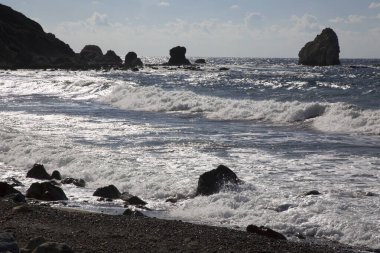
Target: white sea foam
{"type": "Point", "coordinates": [328, 117]}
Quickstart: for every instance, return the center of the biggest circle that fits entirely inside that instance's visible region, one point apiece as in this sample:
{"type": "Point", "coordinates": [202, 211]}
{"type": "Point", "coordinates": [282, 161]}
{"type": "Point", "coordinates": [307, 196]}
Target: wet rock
{"type": "Point", "coordinates": [53, 247]}
{"type": "Point", "coordinates": [45, 191]}
{"type": "Point", "coordinates": [17, 198]}
{"type": "Point", "coordinates": [171, 200]}
{"type": "Point", "coordinates": [91, 53]}
{"type": "Point", "coordinates": [177, 56]}
{"type": "Point", "coordinates": [264, 231]}
{"type": "Point", "coordinates": [14, 182]}
{"type": "Point", "coordinates": [200, 61]}
{"type": "Point", "coordinates": [35, 242]}
{"type": "Point", "coordinates": [6, 189]}
{"type": "Point", "coordinates": [213, 181]}
{"type": "Point", "coordinates": [223, 69]}
{"type": "Point", "coordinates": [283, 208]}
{"type": "Point", "coordinates": [323, 51]}
{"type": "Point", "coordinates": [56, 175]}
{"type": "Point", "coordinates": [38, 172]}
{"type": "Point", "coordinates": [134, 200]}
{"type": "Point", "coordinates": [8, 243]}
{"type": "Point", "coordinates": [77, 182]}
{"type": "Point", "coordinates": [129, 212]}
{"type": "Point", "coordinates": [108, 192]}
{"type": "Point", "coordinates": [132, 61]}
{"type": "Point", "coordinates": [313, 192]}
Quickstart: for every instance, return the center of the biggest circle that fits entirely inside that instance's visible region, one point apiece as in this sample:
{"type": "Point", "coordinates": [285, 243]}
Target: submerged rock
{"type": "Point", "coordinates": [200, 61]}
{"type": "Point", "coordinates": [38, 172]}
{"type": "Point", "coordinates": [323, 51]}
{"type": "Point", "coordinates": [213, 181]}
{"type": "Point", "coordinates": [77, 182]}
{"type": "Point", "coordinates": [177, 56]}
{"type": "Point", "coordinates": [313, 192]}
{"type": "Point", "coordinates": [264, 231]}
{"type": "Point", "coordinates": [45, 191]}
{"type": "Point", "coordinates": [110, 192]}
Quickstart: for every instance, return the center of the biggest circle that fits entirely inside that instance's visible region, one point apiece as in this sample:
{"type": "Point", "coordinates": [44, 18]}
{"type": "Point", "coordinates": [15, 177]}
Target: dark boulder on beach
{"type": "Point", "coordinates": [132, 61]}
{"type": "Point", "coordinates": [24, 44]}
{"type": "Point", "coordinates": [323, 51]}
{"type": "Point", "coordinates": [177, 56]}
{"type": "Point", "coordinates": [45, 191]}
{"type": "Point", "coordinates": [264, 231]}
{"type": "Point", "coordinates": [110, 192]}
{"type": "Point", "coordinates": [136, 201]}
{"type": "Point", "coordinates": [111, 58]}
{"type": "Point", "coordinates": [213, 181]}
{"type": "Point", "coordinates": [7, 189]}
{"type": "Point", "coordinates": [77, 182]}
{"type": "Point", "coordinates": [38, 172]}
{"type": "Point", "coordinates": [91, 53]}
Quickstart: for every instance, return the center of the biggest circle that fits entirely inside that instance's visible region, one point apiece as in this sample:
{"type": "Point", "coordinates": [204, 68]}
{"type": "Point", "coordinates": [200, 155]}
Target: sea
{"type": "Point", "coordinates": [284, 129]}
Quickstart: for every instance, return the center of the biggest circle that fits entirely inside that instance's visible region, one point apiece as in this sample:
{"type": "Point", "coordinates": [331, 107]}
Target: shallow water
{"type": "Point", "coordinates": [284, 129]}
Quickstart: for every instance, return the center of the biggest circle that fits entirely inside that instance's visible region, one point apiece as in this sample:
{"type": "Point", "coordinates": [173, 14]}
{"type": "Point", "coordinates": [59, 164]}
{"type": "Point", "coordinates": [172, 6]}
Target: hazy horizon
{"type": "Point", "coordinates": [209, 28]}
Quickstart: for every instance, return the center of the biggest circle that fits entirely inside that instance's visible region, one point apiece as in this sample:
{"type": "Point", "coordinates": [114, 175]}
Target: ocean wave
{"type": "Point", "coordinates": [326, 117]}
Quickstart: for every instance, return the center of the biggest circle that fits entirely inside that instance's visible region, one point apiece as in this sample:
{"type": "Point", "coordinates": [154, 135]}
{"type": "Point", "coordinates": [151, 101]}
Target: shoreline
{"type": "Point", "coordinates": [85, 231]}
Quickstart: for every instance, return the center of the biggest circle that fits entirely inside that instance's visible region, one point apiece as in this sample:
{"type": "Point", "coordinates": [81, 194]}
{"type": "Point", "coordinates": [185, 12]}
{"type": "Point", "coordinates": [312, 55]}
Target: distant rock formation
{"type": "Point", "coordinates": [323, 51]}
{"type": "Point", "coordinates": [132, 61]}
{"type": "Point", "coordinates": [200, 61]}
{"type": "Point", "coordinates": [92, 56]}
{"type": "Point", "coordinates": [24, 44]}
{"type": "Point", "coordinates": [177, 56]}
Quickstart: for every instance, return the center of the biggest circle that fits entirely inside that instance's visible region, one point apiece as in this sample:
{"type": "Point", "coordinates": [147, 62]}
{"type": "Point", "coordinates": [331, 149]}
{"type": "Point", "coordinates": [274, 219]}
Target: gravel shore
{"type": "Point", "coordinates": [93, 232]}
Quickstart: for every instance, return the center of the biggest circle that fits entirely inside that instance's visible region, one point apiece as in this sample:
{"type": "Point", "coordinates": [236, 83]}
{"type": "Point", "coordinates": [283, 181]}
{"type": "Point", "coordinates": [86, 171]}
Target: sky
{"type": "Point", "coordinates": [230, 28]}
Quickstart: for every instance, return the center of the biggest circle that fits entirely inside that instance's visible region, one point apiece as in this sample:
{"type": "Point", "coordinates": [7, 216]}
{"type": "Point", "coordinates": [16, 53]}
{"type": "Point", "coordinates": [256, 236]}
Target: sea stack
{"type": "Point", "coordinates": [93, 56]}
{"type": "Point", "coordinates": [132, 61]}
{"type": "Point", "coordinates": [177, 56]}
{"type": "Point", "coordinates": [322, 51]}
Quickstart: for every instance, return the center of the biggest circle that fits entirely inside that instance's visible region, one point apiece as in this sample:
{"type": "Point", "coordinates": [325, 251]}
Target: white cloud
{"type": "Point", "coordinates": [252, 18]}
{"type": "Point", "coordinates": [374, 5]}
{"type": "Point", "coordinates": [98, 19]}
{"type": "Point", "coordinates": [306, 22]}
{"type": "Point", "coordinates": [352, 19]}
{"type": "Point", "coordinates": [235, 7]}
{"type": "Point", "coordinates": [378, 16]}
{"type": "Point", "coordinates": [164, 4]}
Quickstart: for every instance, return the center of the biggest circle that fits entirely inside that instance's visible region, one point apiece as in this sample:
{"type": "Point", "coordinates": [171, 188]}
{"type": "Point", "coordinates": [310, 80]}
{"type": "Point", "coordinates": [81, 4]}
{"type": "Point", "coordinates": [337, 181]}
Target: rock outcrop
{"type": "Point", "coordinates": [45, 191]}
{"type": "Point", "coordinates": [77, 182]}
{"type": "Point", "coordinates": [323, 51]}
{"type": "Point", "coordinates": [177, 56]}
{"type": "Point", "coordinates": [132, 61]}
{"type": "Point", "coordinates": [24, 44]}
{"type": "Point", "coordinates": [214, 180]}
{"type": "Point", "coordinates": [92, 56]}
{"type": "Point", "coordinates": [38, 172]}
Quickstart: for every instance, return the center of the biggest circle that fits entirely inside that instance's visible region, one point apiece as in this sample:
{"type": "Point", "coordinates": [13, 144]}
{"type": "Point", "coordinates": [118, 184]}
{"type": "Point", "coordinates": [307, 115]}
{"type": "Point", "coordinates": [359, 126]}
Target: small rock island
{"type": "Point", "coordinates": [322, 51]}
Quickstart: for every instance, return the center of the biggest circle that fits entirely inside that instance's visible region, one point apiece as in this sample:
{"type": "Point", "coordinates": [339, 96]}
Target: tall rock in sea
{"type": "Point", "coordinates": [177, 56]}
{"type": "Point", "coordinates": [24, 44]}
{"type": "Point", "coordinates": [132, 61]}
{"type": "Point", "coordinates": [322, 51]}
